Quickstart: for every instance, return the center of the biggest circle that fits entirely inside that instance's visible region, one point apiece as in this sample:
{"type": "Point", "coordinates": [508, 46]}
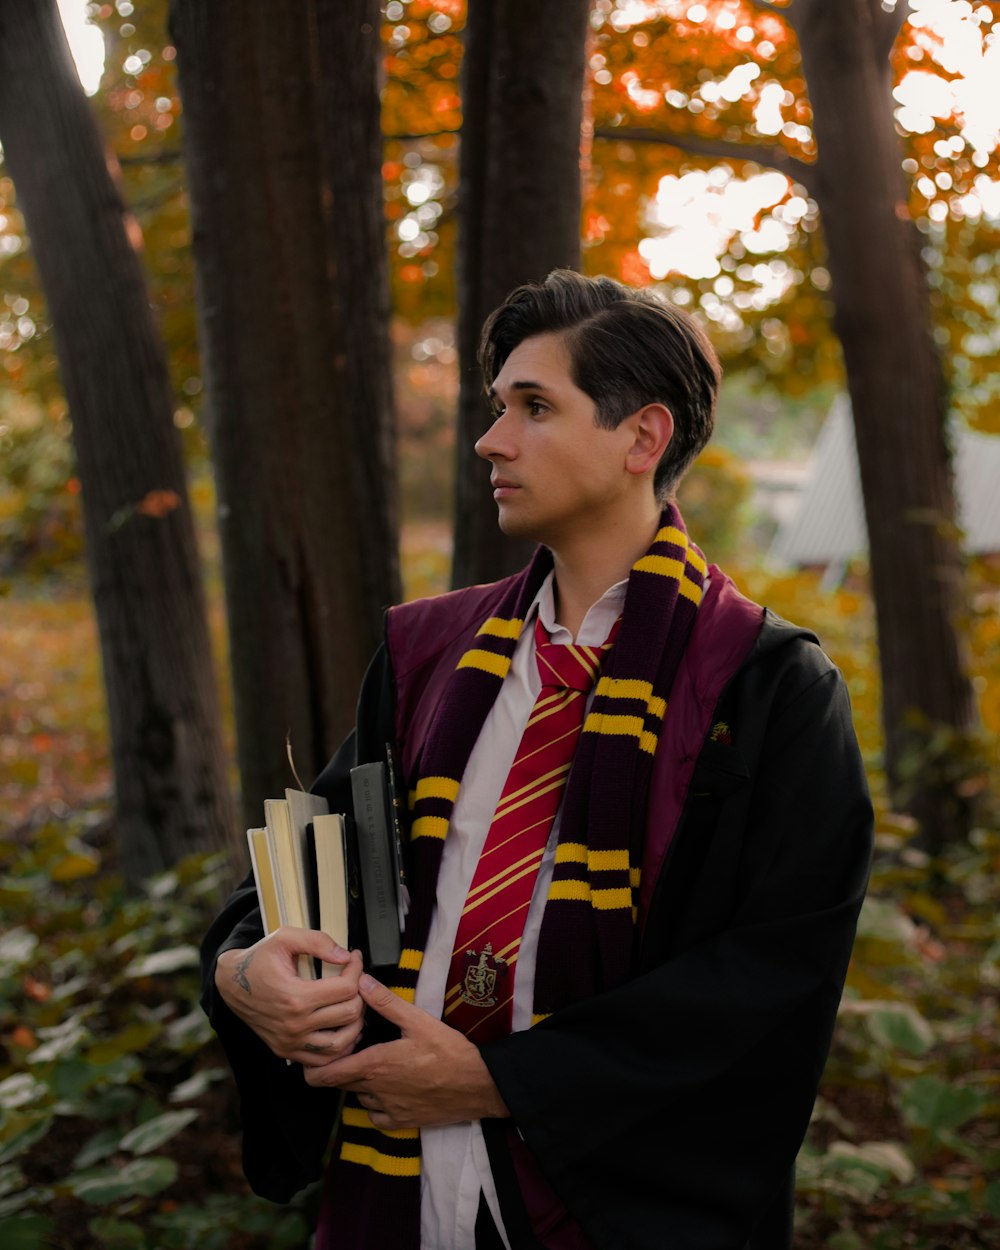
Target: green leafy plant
{"type": "Point", "coordinates": [905, 1138]}
{"type": "Point", "coordinates": [116, 1123]}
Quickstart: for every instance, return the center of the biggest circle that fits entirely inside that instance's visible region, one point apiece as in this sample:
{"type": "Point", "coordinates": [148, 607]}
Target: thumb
{"type": "Point", "coordinates": [311, 942]}
{"type": "Point", "coordinates": [336, 954]}
{"type": "Point", "coordinates": [389, 1005]}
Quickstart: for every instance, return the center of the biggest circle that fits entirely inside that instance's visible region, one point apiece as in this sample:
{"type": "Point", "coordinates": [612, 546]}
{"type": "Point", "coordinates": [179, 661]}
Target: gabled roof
{"type": "Point", "coordinates": [829, 523]}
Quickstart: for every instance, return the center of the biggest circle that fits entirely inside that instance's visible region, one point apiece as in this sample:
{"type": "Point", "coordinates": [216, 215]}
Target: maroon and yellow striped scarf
{"type": "Point", "coordinates": [587, 936]}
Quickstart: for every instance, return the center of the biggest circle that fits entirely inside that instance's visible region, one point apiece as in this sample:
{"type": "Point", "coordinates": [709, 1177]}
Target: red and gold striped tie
{"type": "Point", "coordinates": [481, 978]}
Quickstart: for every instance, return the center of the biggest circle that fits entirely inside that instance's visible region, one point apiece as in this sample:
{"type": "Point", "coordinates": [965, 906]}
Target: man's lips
{"type": "Point", "coordinates": [502, 487]}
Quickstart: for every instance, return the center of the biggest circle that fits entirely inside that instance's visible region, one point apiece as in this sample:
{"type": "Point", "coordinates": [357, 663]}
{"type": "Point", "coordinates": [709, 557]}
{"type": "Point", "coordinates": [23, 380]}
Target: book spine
{"type": "Point", "coordinates": [378, 876]}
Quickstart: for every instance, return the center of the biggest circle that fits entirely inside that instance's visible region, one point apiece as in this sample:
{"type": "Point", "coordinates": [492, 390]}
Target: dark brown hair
{"type": "Point", "coordinates": [627, 348]}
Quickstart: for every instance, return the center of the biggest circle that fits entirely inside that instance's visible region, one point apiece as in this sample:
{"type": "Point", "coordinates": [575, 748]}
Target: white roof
{"type": "Point", "coordinates": [828, 524]}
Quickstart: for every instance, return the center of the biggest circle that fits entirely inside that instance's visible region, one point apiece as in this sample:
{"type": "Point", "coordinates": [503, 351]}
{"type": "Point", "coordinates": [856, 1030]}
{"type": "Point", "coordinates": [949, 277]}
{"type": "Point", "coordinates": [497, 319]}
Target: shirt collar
{"type": "Point", "coordinates": [596, 624]}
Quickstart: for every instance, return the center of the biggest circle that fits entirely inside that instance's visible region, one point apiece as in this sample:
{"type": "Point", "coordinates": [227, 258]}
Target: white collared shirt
{"type": "Point", "coordinates": [454, 1163]}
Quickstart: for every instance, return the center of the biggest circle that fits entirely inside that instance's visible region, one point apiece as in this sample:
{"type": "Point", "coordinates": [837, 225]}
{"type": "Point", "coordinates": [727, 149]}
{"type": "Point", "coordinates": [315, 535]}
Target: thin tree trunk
{"type": "Point", "coordinates": [519, 205]}
{"type": "Point", "coordinates": [170, 776]}
{"type": "Point", "coordinates": [303, 611]}
{"type": "Point", "coordinates": [882, 319]}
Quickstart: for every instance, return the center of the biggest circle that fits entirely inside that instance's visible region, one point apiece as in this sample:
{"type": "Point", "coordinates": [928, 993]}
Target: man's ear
{"type": "Point", "coordinates": [653, 428]}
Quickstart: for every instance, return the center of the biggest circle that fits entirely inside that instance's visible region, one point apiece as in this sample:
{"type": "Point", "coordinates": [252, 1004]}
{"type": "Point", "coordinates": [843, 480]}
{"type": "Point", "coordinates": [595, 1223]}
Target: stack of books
{"type": "Point", "coordinates": [317, 869]}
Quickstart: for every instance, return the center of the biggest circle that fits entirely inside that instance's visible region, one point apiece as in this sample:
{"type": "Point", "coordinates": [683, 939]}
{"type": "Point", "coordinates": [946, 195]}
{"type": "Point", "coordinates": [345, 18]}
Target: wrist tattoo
{"type": "Point", "coordinates": [240, 973]}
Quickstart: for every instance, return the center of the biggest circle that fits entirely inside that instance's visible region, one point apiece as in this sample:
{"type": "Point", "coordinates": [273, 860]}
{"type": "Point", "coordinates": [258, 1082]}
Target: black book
{"type": "Point", "coordinates": [379, 861]}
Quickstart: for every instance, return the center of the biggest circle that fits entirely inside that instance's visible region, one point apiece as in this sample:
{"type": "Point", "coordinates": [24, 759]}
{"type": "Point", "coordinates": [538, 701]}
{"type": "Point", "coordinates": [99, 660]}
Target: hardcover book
{"type": "Point", "coordinates": [378, 856]}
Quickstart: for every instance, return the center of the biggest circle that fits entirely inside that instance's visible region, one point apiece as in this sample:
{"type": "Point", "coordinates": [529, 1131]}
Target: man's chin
{"type": "Point", "coordinates": [515, 526]}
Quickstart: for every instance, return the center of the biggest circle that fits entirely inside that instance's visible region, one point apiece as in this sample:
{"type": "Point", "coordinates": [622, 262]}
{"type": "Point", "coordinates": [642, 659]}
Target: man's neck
{"type": "Point", "coordinates": [585, 570]}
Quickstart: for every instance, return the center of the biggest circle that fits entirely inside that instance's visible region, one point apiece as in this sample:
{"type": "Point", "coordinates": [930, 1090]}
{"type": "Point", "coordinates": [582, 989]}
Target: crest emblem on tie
{"type": "Point", "coordinates": [483, 972]}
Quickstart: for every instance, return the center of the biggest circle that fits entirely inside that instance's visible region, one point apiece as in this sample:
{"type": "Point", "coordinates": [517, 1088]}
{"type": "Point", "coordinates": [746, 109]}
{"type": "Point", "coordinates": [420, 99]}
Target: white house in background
{"type": "Point", "coordinates": [827, 526]}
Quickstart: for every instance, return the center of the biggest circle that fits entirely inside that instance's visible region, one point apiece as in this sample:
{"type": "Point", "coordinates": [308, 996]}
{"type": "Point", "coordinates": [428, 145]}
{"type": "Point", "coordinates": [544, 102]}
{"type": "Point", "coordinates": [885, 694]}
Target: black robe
{"type": "Point", "coordinates": [667, 1111]}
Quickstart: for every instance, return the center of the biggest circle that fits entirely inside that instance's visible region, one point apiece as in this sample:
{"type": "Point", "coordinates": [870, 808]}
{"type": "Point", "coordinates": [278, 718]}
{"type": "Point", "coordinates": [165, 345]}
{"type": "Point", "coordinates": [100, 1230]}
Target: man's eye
{"type": "Point", "coordinates": [536, 407]}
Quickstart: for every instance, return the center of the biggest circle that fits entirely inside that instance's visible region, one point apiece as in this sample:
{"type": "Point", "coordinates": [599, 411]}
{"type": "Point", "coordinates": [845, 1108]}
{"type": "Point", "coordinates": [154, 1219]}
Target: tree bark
{"type": "Point", "coordinates": [307, 570]}
{"type": "Point", "coordinates": [519, 214]}
{"type": "Point", "coordinates": [349, 46]}
{"type": "Point", "coordinates": [172, 796]}
{"type": "Point", "coordinates": [882, 318]}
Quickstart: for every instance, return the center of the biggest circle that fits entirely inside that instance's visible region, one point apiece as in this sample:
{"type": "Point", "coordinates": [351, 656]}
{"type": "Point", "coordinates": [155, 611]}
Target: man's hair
{"type": "Point", "coordinates": [627, 348]}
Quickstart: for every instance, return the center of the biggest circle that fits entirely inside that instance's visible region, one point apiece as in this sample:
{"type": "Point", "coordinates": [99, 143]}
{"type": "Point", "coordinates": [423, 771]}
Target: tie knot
{"type": "Point", "coordinates": [567, 666]}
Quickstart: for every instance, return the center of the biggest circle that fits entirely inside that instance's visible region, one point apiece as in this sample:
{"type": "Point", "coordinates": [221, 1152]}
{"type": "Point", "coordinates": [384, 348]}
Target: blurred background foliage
{"type": "Point", "coordinates": [766, 298]}
{"type": "Point", "coordinates": [117, 1124]}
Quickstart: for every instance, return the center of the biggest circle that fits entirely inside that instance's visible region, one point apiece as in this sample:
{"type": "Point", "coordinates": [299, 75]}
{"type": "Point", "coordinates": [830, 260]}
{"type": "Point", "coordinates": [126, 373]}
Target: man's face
{"type": "Point", "coordinates": [556, 474]}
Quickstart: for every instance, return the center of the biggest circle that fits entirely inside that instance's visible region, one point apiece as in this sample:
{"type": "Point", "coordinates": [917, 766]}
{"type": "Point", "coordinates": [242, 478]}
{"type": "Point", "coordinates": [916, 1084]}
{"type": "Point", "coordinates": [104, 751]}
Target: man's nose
{"type": "Point", "coordinates": [496, 441]}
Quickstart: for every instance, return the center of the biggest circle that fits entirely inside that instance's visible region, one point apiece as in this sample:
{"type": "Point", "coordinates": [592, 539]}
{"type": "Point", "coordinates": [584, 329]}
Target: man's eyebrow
{"type": "Point", "coordinates": [520, 386]}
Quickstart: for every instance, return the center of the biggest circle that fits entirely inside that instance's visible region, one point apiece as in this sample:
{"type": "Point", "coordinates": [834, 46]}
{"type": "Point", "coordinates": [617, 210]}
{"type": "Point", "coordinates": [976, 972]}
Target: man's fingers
{"type": "Point", "coordinates": [297, 1023]}
{"type": "Point", "coordinates": [309, 942]}
{"type": "Point", "coordinates": [389, 1005]}
{"type": "Point", "coordinates": [351, 1072]}
{"type": "Point", "coordinates": [320, 1049]}
{"type": "Point", "coordinates": [340, 956]}
{"type": "Point", "coordinates": [348, 964]}
{"type": "Point", "coordinates": [385, 1122]}
{"type": "Point", "coordinates": [336, 1015]}
{"type": "Point", "coordinates": [326, 991]}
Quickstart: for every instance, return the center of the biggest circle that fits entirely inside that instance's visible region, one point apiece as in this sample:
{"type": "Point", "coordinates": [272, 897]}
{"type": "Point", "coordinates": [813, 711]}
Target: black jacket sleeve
{"type": "Point", "coordinates": [669, 1110]}
{"type": "Point", "coordinates": [287, 1123]}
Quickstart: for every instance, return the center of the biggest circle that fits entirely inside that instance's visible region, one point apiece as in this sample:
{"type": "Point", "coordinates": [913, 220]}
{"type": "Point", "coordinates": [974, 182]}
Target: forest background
{"type": "Point", "coordinates": [700, 160]}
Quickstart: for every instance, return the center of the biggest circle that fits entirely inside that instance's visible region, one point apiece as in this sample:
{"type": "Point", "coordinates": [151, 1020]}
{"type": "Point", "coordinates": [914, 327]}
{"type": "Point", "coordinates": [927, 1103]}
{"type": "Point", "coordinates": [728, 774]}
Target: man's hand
{"type": "Point", "coordinates": [432, 1075]}
{"type": "Point", "coordinates": [310, 1022]}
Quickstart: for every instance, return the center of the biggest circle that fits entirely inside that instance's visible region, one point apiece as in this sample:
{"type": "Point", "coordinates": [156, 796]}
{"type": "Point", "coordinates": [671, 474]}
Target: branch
{"type": "Point", "coordinates": [166, 156]}
{"type": "Point", "coordinates": [765, 6]}
{"type": "Point", "coordinates": [761, 154]}
{"type": "Point", "coordinates": [429, 134]}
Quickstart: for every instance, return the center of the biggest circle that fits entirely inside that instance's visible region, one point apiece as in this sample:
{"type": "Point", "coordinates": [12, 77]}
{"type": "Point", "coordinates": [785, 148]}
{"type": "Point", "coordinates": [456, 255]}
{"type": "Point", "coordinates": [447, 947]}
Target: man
{"type": "Point", "coordinates": [640, 836]}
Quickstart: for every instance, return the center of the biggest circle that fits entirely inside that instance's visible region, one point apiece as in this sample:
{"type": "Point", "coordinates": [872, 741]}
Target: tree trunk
{"type": "Point", "coordinates": [519, 205]}
{"type": "Point", "coordinates": [882, 319]}
{"type": "Point", "coordinates": [349, 45]}
{"type": "Point", "coordinates": [309, 542]}
{"type": "Point", "coordinates": [296, 540]}
{"type": "Point", "coordinates": [170, 775]}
